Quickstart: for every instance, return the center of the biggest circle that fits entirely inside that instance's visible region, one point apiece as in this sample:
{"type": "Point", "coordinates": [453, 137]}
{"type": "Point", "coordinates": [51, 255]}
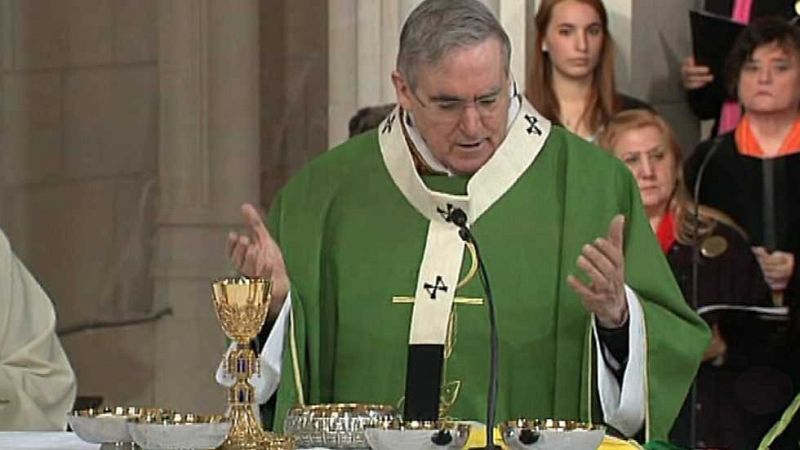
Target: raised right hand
{"type": "Point", "coordinates": [255, 254]}
{"type": "Point", "coordinates": [694, 76]}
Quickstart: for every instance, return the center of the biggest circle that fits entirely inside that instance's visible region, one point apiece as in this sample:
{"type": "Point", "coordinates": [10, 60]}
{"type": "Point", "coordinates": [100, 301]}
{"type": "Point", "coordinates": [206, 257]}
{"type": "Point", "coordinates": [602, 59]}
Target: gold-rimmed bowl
{"type": "Point", "coordinates": [174, 431]}
{"type": "Point", "coordinates": [337, 425]}
{"type": "Point", "coordinates": [551, 434]}
{"type": "Point", "coordinates": [399, 435]}
{"type": "Point", "coordinates": [106, 425]}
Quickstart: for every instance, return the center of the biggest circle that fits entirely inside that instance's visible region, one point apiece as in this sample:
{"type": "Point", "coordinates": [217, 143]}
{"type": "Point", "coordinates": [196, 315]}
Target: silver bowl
{"type": "Point", "coordinates": [179, 431]}
{"type": "Point", "coordinates": [397, 435]}
{"type": "Point", "coordinates": [549, 434]}
{"type": "Point", "coordinates": [338, 425]}
{"type": "Point", "coordinates": [106, 425]}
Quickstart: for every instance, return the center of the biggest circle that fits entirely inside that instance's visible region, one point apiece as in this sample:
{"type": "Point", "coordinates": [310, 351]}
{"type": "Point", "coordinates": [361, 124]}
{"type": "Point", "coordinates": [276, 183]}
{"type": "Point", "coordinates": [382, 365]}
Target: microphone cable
{"type": "Point", "coordinates": [715, 145]}
{"type": "Point", "coordinates": [459, 218]}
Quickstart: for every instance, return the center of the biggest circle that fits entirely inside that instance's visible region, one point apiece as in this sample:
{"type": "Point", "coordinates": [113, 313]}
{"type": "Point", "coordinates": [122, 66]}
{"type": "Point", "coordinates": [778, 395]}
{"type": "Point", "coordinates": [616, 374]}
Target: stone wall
{"type": "Point", "coordinates": [79, 146]}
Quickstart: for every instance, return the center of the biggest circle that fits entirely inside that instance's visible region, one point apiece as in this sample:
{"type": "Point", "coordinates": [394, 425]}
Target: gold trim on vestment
{"type": "Point", "coordinates": [298, 381]}
{"type": "Point", "coordinates": [400, 300]}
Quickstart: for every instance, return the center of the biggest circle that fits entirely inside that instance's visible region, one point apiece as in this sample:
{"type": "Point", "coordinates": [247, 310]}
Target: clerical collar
{"type": "Point", "coordinates": [424, 152]}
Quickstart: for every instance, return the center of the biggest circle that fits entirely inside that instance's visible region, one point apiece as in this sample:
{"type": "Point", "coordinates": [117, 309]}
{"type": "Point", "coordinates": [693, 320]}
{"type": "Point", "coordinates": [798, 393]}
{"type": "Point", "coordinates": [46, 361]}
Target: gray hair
{"type": "Point", "coordinates": [437, 26]}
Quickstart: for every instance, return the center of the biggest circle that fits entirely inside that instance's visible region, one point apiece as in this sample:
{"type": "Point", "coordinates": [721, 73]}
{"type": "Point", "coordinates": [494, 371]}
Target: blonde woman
{"type": "Point", "coordinates": [728, 271]}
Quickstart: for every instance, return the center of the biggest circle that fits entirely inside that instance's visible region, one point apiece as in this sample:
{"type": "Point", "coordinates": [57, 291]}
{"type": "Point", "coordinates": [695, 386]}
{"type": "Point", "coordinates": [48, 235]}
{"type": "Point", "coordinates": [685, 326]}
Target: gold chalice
{"type": "Point", "coordinates": [241, 304]}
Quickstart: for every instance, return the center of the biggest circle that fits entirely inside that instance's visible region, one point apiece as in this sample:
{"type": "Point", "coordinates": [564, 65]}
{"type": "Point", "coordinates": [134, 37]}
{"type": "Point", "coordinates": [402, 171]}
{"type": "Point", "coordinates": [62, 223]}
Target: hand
{"type": "Point", "coordinates": [777, 267]}
{"type": "Point", "coordinates": [604, 263]}
{"type": "Point", "coordinates": [717, 347]}
{"type": "Point", "coordinates": [257, 255]}
{"type": "Point", "coordinates": [694, 76]}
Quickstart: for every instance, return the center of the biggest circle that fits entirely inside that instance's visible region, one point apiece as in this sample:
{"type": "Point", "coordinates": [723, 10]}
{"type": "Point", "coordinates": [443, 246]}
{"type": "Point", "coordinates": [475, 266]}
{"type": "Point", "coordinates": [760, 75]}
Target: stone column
{"type": "Point", "coordinates": [208, 166]}
{"type": "Point", "coordinates": [512, 14]}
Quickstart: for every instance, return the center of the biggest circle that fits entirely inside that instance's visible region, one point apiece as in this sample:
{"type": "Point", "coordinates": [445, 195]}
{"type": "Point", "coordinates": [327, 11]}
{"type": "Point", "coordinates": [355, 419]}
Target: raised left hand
{"type": "Point", "coordinates": [603, 262]}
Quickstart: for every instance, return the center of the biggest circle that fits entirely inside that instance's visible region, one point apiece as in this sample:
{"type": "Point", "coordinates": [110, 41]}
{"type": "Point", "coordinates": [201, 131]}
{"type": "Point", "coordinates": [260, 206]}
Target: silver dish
{"type": "Point", "coordinates": [551, 434]}
{"type": "Point", "coordinates": [106, 425]}
{"type": "Point", "coordinates": [177, 431]}
{"type": "Point", "coordinates": [397, 435]}
{"type": "Point", "coordinates": [339, 425]}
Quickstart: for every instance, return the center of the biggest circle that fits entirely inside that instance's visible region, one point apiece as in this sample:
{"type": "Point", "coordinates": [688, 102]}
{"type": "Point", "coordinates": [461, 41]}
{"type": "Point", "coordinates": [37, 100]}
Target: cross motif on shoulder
{"type": "Point", "coordinates": [387, 126]}
{"type": "Point", "coordinates": [532, 121]}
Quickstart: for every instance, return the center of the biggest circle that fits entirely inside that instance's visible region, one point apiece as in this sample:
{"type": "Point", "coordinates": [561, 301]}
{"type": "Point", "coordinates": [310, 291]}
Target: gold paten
{"type": "Point", "coordinates": [241, 304]}
{"type": "Point", "coordinates": [713, 246]}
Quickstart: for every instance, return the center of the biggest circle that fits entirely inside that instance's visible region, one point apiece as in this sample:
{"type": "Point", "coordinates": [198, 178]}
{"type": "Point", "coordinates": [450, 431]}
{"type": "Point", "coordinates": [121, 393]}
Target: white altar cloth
{"type": "Point", "coordinates": [43, 440]}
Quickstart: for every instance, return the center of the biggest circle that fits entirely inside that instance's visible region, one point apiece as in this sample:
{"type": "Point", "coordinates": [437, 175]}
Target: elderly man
{"type": "Point", "coordinates": [363, 246]}
{"type": "Point", "coordinates": [37, 385]}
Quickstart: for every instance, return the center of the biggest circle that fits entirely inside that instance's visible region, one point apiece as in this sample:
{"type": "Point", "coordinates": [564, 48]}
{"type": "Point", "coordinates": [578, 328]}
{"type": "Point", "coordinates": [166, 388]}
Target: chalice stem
{"type": "Point", "coordinates": [246, 432]}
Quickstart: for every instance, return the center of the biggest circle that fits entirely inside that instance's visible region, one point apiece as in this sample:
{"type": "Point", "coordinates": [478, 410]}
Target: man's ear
{"type": "Point", "coordinates": [402, 90]}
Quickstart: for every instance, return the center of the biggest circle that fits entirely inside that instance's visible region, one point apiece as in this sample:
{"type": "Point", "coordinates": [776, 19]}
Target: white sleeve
{"type": "Point", "coordinates": [270, 358]}
{"type": "Point", "coordinates": [37, 384]}
{"type": "Point", "coordinates": [625, 410]}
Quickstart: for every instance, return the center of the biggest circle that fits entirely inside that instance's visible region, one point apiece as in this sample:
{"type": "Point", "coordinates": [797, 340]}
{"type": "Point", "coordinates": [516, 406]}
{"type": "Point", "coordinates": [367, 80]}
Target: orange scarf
{"type": "Point", "coordinates": [748, 145]}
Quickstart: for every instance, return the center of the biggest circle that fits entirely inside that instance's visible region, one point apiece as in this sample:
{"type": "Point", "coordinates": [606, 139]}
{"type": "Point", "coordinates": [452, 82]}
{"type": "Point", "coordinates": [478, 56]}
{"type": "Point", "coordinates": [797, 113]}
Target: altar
{"type": "Point", "coordinates": [43, 440]}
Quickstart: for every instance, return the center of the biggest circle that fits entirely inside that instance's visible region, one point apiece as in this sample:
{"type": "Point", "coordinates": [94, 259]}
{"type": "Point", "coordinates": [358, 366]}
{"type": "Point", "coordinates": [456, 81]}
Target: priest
{"type": "Point", "coordinates": [369, 266]}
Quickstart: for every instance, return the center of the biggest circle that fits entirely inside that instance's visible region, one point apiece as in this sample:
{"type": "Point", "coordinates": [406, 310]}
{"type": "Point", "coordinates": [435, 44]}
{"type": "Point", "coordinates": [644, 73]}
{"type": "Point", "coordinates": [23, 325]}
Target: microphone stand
{"type": "Point", "coordinates": [459, 218]}
{"type": "Point", "coordinates": [695, 274]}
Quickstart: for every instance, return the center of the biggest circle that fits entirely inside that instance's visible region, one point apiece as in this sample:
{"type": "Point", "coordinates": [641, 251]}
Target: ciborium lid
{"type": "Point", "coordinates": [241, 304]}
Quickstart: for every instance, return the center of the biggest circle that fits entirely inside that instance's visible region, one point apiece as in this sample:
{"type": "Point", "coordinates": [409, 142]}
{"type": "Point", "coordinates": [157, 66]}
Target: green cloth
{"type": "Point", "coordinates": [351, 242]}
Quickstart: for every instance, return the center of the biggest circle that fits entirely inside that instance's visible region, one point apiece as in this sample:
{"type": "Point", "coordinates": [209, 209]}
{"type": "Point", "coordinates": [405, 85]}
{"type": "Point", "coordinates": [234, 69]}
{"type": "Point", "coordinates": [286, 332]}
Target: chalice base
{"type": "Point", "coordinates": [246, 433]}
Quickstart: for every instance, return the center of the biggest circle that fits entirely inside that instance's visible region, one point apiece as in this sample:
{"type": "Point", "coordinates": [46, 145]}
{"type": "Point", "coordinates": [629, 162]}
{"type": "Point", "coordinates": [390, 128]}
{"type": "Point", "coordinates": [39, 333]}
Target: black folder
{"type": "Point", "coordinates": [712, 39]}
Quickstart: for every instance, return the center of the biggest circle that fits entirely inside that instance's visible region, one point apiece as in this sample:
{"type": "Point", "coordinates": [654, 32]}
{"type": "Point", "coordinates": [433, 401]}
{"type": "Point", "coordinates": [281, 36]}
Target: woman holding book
{"type": "Point", "coordinates": [752, 172]}
{"type": "Point", "coordinates": [752, 175]}
{"type": "Point", "coordinates": [705, 99]}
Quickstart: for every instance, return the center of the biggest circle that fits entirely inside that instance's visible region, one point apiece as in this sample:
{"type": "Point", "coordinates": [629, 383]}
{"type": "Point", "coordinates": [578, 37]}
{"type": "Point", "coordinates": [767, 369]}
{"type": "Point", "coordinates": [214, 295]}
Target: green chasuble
{"type": "Point", "coordinates": [352, 241]}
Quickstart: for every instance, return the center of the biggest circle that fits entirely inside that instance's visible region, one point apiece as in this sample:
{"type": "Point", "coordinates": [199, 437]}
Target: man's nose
{"type": "Point", "coordinates": [470, 120]}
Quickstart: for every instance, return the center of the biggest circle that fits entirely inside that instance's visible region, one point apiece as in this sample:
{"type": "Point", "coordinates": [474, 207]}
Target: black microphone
{"type": "Point", "coordinates": [715, 145]}
{"type": "Point", "coordinates": [458, 217]}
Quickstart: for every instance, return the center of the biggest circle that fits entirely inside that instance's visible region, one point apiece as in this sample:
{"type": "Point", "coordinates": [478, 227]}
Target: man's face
{"type": "Point", "coordinates": [460, 105]}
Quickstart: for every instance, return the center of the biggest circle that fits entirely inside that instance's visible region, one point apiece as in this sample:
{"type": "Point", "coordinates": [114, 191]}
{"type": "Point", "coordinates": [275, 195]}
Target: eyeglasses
{"type": "Point", "coordinates": [447, 109]}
